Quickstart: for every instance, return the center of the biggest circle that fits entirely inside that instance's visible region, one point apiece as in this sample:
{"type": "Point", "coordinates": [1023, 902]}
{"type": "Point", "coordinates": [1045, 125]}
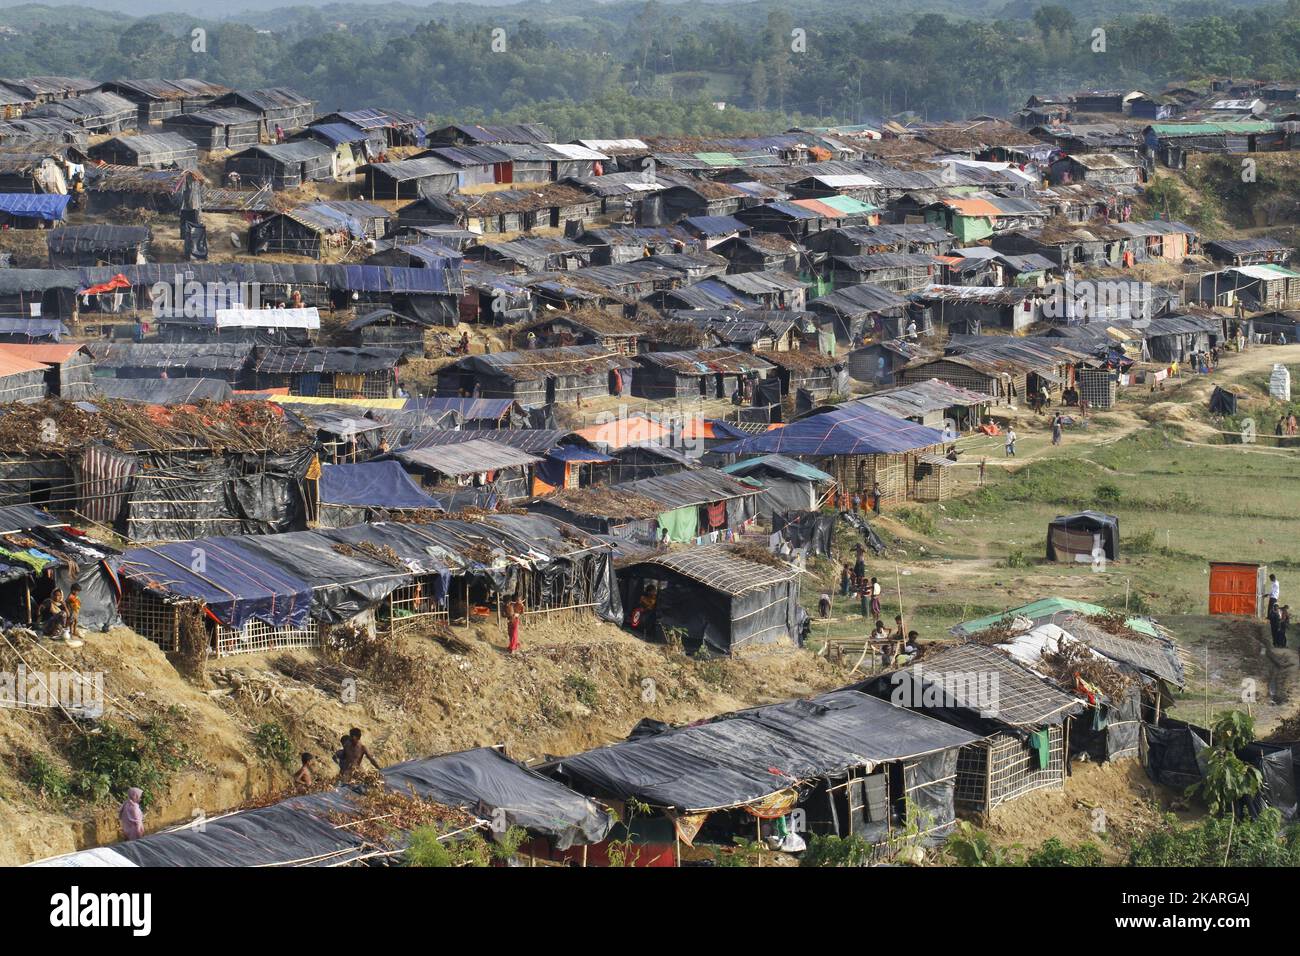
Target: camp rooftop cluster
{"type": "Point", "coordinates": [464, 376]}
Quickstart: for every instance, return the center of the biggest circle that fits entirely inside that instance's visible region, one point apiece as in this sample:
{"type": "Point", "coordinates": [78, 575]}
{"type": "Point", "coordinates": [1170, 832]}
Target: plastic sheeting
{"type": "Point", "coordinates": [342, 586]}
{"type": "Point", "coordinates": [743, 757]}
{"type": "Point", "coordinates": [682, 524]}
{"type": "Point", "coordinates": [493, 787]}
{"type": "Point", "coordinates": [236, 584]}
{"type": "Point", "coordinates": [379, 484]}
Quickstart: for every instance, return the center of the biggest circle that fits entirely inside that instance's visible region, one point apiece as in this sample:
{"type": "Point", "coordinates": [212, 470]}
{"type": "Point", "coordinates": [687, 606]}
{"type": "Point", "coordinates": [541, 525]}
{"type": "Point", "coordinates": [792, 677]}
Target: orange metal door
{"type": "Point", "coordinates": [1233, 589]}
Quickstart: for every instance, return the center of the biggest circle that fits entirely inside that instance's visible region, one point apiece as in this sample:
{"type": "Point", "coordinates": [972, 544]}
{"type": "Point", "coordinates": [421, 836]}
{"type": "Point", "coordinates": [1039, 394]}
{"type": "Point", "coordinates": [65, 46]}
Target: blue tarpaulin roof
{"type": "Point", "coordinates": [469, 409]}
{"type": "Point", "coordinates": [848, 430]}
{"type": "Point", "coordinates": [47, 206]}
{"type": "Point", "coordinates": [377, 484]}
{"type": "Point", "coordinates": [338, 133]}
{"type": "Point", "coordinates": [235, 585]}
{"type": "Point", "coordinates": [715, 225]}
{"type": "Point", "coordinates": [576, 453]}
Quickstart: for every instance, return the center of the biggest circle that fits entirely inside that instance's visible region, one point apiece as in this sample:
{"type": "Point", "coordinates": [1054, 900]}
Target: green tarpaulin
{"type": "Point", "coordinates": [682, 524]}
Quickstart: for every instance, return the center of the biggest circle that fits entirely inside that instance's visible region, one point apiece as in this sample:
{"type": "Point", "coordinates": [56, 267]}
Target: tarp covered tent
{"type": "Point", "coordinates": [1223, 402]}
{"type": "Point", "coordinates": [484, 782]}
{"type": "Point", "coordinates": [493, 787]}
{"type": "Point", "coordinates": [164, 391]}
{"type": "Point", "coordinates": [1079, 536]}
{"type": "Point", "coordinates": [42, 207]}
{"type": "Point", "coordinates": [36, 550]}
{"type": "Point", "coordinates": [742, 758]}
{"type": "Point", "coordinates": [847, 430]}
{"type": "Point", "coordinates": [342, 586]}
{"type": "Point", "coordinates": [351, 493]}
{"type": "Point", "coordinates": [1048, 609]}
{"type": "Point", "coordinates": [236, 585]}
{"type": "Point", "coordinates": [788, 485]}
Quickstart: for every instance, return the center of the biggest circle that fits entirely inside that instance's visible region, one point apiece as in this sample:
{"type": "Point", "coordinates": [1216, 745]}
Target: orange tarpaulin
{"type": "Point", "coordinates": [118, 281]}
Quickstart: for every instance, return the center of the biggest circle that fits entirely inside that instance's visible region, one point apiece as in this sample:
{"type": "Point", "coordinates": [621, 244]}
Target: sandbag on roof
{"type": "Point", "coordinates": [235, 584]}
{"type": "Point", "coordinates": [490, 785]}
{"type": "Point", "coordinates": [376, 484]}
{"type": "Point", "coordinates": [744, 757]}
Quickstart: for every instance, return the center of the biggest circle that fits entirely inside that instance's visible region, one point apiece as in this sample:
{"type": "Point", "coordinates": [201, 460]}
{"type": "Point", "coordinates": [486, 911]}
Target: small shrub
{"type": "Point", "coordinates": [273, 744]}
{"type": "Point", "coordinates": [918, 519]}
{"type": "Point", "coordinates": [1017, 559]}
{"type": "Point", "coordinates": [584, 690]}
{"type": "Point", "coordinates": [48, 781]}
{"type": "Point", "coordinates": [1055, 853]}
{"type": "Point", "coordinates": [110, 761]}
{"type": "Point", "coordinates": [1141, 542]}
{"type": "Point", "coordinates": [970, 846]}
{"type": "Point", "coordinates": [1107, 493]}
{"type": "Point", "coordinates": [836, 851]}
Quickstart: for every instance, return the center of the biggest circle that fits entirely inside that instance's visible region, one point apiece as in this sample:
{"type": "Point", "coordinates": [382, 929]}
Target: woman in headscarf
{"type": "Point", "coordinates": [131, 816]}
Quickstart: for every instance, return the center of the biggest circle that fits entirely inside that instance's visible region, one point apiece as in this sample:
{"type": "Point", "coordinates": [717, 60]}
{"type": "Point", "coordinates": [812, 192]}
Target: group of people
{"type": "Point", "coordinates": [57, 616]}
{"type": "Point", "coordinates": [1287, 426]}
{"type": "Point", "coordinates": [854, 501]}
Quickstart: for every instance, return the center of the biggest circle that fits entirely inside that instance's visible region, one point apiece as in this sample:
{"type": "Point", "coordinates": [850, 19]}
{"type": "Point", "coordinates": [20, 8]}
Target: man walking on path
{"type": "Point", "coordinates": [1011, 443]}
{"type": "Point", "coordinates": [1056, 429]}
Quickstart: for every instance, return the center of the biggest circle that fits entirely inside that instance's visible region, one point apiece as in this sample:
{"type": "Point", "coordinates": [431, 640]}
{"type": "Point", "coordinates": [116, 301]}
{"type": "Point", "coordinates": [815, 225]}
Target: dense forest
{"type": "Point", "coordinates": [651, 67]}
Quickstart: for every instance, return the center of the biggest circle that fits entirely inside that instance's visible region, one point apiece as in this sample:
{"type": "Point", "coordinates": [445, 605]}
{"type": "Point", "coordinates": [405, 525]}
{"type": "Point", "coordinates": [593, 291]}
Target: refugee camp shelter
{"type": "Point", "coordinates": [787, 485]}
{"type": "Point", "coordinates": [96, 245]}
{"type": "Point", "coordinates": [273, 106]}
{"type": "Point", "coordinates": [316, 228]}
{"type": "Point", "coordinates": [716, 598]}
{"type": "Point", "coordinates": [70, 369]}
{"type": "Point", "coordinates": [409, 179]}
{"type": "Point", "coordinates": [1021, 719]}
{"type": "Point", "coordinates": [484, 783]}
{"type": "Point", "coordinates": [860, 446]}
{"type": "Point", "coordinates": [157, 100]}
{"type": "Point", "coordinates": [32, 210]}
{"type": "Point", "coordinates": [478, 463]}
{"type": "Point", "coordinates": [1238, 588]}
{"type": "Point", "coordinates": [283, 165]}
{"type": "Point", "coordinates": [21, 379]}
{"type": "Point", "coordinates": [212, 128]}
{"type": "Point", "coordinates": [1086, 537]}
{"type": "Point", "coordinates": [327, 372]}
{"type": "Point", "coordinates": [225, 360]}
{"type": "Point", "coordinates": [696, 373]}
{"type": "Point", "coordinates": [693, 505]}
{"type": "Point", "coordinates": [96, 112]}
{"type": "Point", "coordinates": [362, 492]}
{"type": "Point", "coordinates": [858, 767]}
{"type": "Point", "coordinates": [263, 326]}
{"type": "Point", "coordinates": [1250, 251]}
{"type": "Point", "coordinates": [152, 150]}
{"type": "Point", "coordinates": [933, 403]}
{"type": "Point", "coordinates": [539, 376]}
{"type": "Point", "coordinates": [859, 311]}
{"type": "Point", "coordinates": [42, 552]}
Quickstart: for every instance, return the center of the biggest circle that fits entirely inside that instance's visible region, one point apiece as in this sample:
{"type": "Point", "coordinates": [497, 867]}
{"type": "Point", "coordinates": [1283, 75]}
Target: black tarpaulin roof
{"type": "Point", "coordinates": [744, 757]}
{"type": "Point", "coordinates": [490, 785]}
